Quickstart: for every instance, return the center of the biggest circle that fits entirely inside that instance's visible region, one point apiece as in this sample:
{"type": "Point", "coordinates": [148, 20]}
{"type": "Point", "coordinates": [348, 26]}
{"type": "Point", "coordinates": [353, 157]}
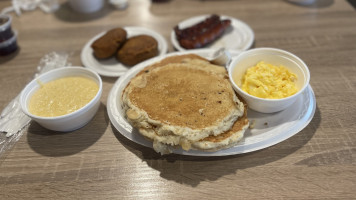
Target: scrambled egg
{"type": "Point", "coordinates": [269, 81]}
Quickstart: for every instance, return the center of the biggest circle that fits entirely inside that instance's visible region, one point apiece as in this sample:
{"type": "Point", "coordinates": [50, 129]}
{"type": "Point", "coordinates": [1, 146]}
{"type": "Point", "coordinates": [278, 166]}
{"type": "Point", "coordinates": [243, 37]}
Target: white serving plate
{"type": "Point", "coordinates": [239, 36]}
{"type": "Point", "coordinates": [112, 67]}
{"type": "Point", "coordinates": [269, 129]}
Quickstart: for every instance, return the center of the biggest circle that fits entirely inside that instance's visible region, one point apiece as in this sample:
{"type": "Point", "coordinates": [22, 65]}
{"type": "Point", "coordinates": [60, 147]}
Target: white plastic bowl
{"type": "Point", "coordinates": [71, 121]}
{"type": "Point", "coordinates": [278, 57]}
{"type": "Point", "coordinates": [86, 6]}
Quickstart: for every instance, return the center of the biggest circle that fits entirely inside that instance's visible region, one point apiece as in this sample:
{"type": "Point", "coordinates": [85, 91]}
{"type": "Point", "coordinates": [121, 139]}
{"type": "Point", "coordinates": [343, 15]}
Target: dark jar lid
{"type": "Point", "coordinates": [9, 46]}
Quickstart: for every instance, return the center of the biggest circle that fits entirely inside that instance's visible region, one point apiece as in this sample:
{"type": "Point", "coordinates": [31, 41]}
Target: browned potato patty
{"type": "Point", "coordinates": [137, 49]}
{"type": "Point", "coordinates": [108, 44]}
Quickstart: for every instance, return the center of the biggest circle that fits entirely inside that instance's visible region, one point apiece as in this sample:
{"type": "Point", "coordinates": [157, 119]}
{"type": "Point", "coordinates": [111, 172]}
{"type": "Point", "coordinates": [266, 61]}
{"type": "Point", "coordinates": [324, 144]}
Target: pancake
{"type": "Point", "coordinates": [180, 101]}
{"type": "Point", "coordinates": [227, 139]}
{"type": "Point", "coordinates": [224, 140]}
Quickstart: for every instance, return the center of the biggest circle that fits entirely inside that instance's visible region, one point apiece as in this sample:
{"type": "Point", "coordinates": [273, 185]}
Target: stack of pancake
{"type": "Point", "coordinates": [185, 101]}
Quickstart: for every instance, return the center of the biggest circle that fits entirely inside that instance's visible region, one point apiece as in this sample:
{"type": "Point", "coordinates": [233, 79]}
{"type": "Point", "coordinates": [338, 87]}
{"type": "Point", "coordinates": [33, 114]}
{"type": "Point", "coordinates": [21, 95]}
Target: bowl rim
{"type": "Point", "coordinates": [279, 51]}
{"type": "Point", "coordinates": [24, 105]}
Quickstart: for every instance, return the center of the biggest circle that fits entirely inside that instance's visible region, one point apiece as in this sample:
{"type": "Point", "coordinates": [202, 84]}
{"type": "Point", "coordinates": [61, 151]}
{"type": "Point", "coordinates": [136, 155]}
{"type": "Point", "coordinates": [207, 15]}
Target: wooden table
{"type": "Point", "coordinates": [97, 162]}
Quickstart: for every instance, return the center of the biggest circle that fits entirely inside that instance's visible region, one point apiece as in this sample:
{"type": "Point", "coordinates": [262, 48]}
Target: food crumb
{"type": "Point", "coordinates": [252, 124]}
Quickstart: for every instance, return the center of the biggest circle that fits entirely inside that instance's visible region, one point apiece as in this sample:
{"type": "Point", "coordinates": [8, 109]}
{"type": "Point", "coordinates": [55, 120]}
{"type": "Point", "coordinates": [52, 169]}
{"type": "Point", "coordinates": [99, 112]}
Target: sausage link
{"type": "Point", "coordinates": [205, 36]}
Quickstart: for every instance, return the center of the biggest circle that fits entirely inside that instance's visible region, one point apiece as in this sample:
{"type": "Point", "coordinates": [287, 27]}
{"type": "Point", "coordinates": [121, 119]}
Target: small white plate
{"type": "Point", "coordinates": [112, 67]}
{"type": "Point", "coordinates": [269, 129]}
{"type": "Point", "coordinates": [239, 36]}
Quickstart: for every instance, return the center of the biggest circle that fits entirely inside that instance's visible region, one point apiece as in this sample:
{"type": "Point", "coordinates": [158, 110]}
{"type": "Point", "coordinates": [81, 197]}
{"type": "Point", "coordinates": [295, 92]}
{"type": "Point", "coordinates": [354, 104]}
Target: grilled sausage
{"type": "Point", "coordinates": [203, 33]}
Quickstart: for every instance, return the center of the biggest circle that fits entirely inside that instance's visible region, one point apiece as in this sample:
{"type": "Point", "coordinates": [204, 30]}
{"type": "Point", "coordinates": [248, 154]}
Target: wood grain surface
{"type": "Point", "coordinates": [97, 162]}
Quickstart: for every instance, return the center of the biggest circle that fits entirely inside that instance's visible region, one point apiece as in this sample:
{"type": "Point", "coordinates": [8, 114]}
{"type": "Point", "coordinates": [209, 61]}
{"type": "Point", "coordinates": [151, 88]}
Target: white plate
{"type": "Point", "coordinates": [269, 129]}
{"type": "Point", "coordinates": [111, 67]}
{"type": "Point", "coordinates": [238, 37]}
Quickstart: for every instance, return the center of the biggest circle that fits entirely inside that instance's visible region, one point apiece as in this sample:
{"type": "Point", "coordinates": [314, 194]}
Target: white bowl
{"type": "Point", "coordinates": [86, 6]}
{"type": "Point", "coordinates": [71, 121]}
{"type": "Point", "coordinates": [240, 63]}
